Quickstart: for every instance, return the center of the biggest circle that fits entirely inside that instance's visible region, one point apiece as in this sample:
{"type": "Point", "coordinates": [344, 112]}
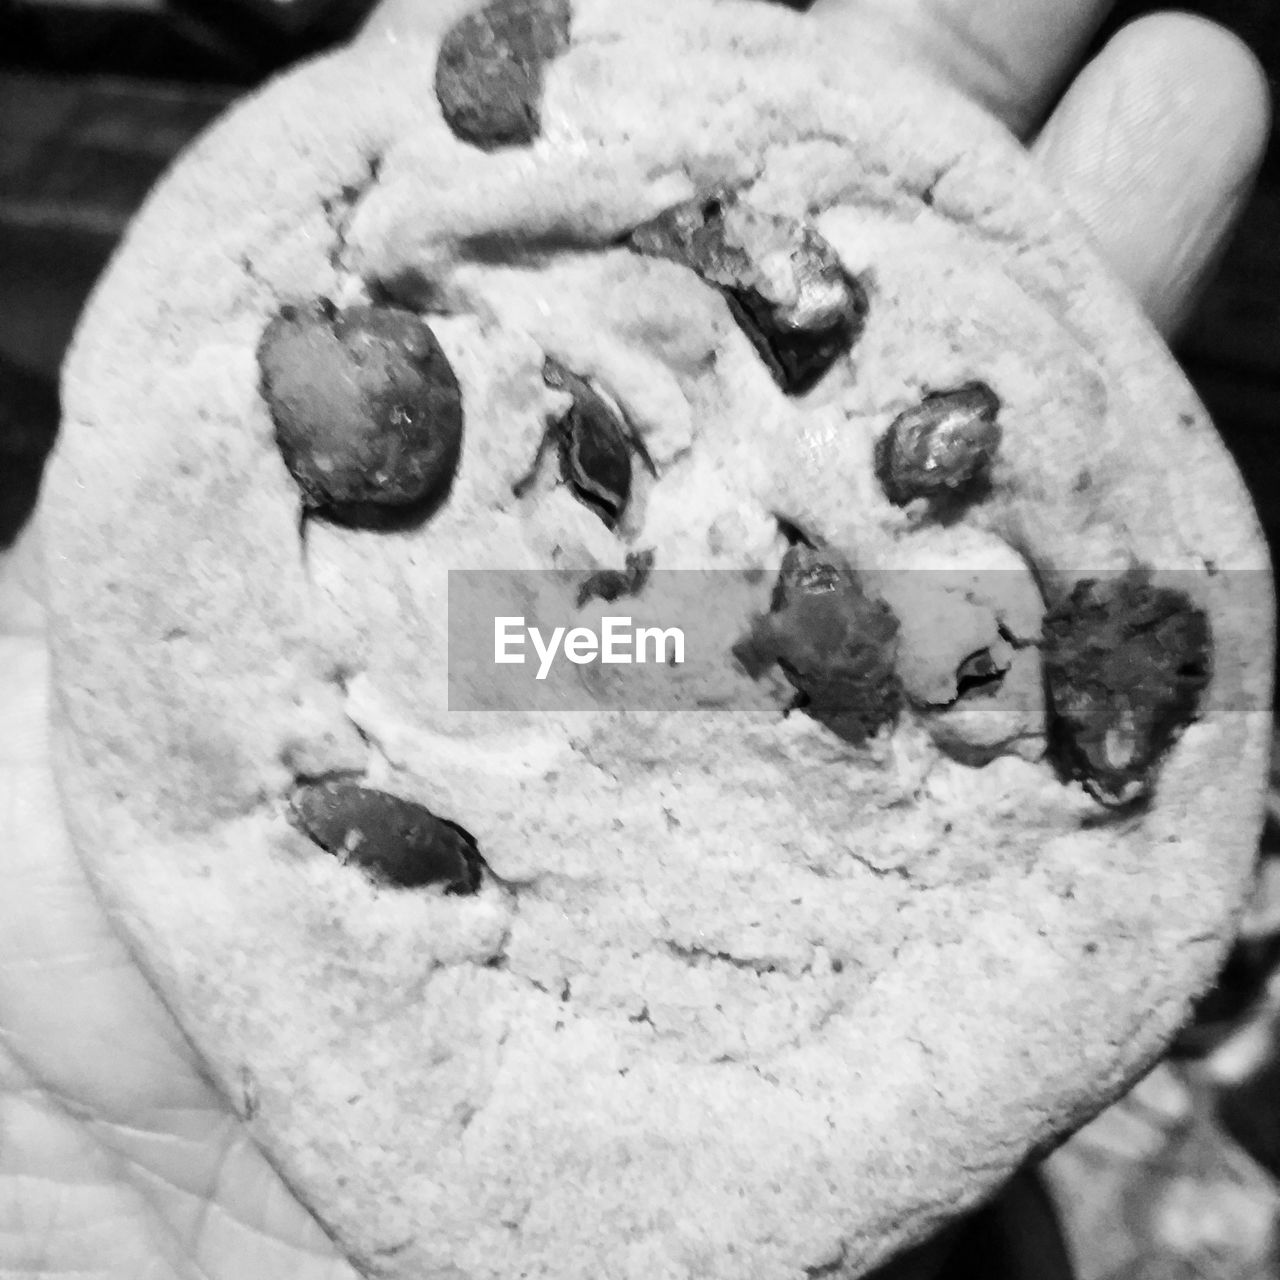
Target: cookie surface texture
{"type": "Point", "coordinates": [762, 992]}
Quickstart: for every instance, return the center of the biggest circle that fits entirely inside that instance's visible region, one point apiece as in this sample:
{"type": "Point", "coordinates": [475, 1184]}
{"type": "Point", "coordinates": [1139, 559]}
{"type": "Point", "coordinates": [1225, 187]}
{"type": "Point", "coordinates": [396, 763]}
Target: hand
{"type": "Point", "coordinates": [118, 1160]}
{"type": "Point", "coordinates": [1155, 144]}
{"type": "Point", "coordinates": [117, 1157]}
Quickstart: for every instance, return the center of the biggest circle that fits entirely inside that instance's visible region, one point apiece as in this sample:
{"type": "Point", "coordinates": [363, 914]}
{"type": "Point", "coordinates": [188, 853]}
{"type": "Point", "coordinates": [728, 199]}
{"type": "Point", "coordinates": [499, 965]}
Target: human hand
{"type": "Point", "coordinates": [1155, 144]}
{"type": "Point", "coordinates": [117, 1157]}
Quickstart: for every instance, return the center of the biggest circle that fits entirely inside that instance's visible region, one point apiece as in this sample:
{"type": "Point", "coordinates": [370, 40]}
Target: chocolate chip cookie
{"type": "Point", "coordinates": [952, 825]}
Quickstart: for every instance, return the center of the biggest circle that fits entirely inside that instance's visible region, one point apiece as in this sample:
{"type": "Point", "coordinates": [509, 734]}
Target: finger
{"type": "Point", "coordinates": [1156, 147]}
{"type": "Point", "coordinates": [1012, 56]}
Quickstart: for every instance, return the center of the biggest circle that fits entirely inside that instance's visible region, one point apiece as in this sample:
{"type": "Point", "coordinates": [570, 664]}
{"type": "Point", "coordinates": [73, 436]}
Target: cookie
{"type": "Point", "coordinates": [944, 838]}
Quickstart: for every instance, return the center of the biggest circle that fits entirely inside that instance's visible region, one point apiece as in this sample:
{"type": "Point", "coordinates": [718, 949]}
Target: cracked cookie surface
{"type": "Point", "coordinates": [734, 994]}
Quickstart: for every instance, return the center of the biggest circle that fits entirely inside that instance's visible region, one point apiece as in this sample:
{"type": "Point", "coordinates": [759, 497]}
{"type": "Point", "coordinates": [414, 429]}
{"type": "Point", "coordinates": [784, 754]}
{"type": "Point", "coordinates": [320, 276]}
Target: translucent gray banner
{"type": "Point", "coordinates": [655, 640]}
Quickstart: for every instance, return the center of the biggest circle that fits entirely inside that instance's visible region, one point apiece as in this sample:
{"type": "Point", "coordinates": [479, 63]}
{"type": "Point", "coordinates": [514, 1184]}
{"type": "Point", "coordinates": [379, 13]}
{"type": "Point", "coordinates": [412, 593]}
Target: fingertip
{"type": "Point", "coordinates": [1222, 78]}
{"type": "Point", "coordinates": [1156, 146]}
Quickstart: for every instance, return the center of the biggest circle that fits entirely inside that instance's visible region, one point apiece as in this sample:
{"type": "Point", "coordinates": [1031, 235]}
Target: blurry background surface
{"type": "Point", "coordinates": [1180, 1181]}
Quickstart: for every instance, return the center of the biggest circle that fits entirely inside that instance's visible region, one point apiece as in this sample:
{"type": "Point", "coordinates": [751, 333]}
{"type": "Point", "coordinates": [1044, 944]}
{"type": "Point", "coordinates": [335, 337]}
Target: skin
{"type": "Point", "coordinates": [117, 1158]}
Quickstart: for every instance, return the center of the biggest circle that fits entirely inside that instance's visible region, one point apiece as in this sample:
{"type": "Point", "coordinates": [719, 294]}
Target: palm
{"type": "Point", "coordinates": [117, 1158]}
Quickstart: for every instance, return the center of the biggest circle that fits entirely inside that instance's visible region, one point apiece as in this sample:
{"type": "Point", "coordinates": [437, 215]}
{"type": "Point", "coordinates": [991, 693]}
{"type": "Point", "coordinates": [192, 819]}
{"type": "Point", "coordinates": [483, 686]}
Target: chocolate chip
{"type": "Point", "coordinates": [490, 66]}
{"type": "Point", "coordinates": [399, 841]}
{"type": "Point", "coordinates": [979, 675]}
{"type": "Point", "coordinates": [595, 446]}
{"type": "Point", "coordinates": [612, 584]}
{"type": "Point", "coordinates": [941, 448]}
{"type": "Point", "coordinates": [805, 572]}
{"type": "Point", "coordinates": [835, 645]}
{"type": "Point", "coordinates": [1125, 665]}
{"type": "Point", "coordinates": [782, 280]}
{"type": "Point", "coordinates": [367, 411]}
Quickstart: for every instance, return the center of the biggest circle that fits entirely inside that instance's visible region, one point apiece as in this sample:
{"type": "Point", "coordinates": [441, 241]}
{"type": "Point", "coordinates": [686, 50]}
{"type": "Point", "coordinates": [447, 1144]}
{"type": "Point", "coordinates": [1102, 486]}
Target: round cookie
{"type": "Point", "coordinates": [766, 989]}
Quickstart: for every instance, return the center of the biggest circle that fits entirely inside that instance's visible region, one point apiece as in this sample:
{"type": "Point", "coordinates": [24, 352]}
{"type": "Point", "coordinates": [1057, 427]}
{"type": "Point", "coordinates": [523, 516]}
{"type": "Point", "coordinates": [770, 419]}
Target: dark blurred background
{"type": "Point", "coordinates": [1181, 1181]}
